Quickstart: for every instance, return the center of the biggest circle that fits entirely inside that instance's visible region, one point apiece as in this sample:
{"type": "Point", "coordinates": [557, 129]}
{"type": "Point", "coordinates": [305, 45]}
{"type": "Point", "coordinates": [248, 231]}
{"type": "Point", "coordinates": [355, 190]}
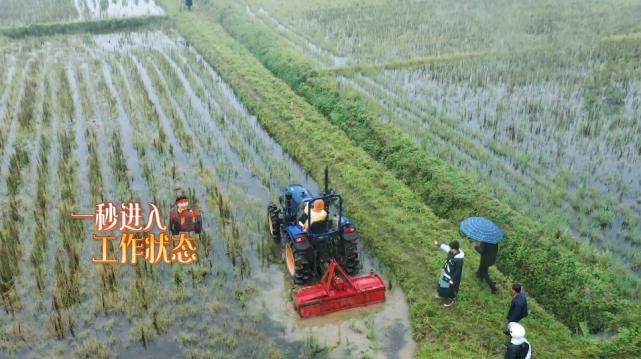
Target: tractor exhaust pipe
{"type": "Point", "coordinates": [326, 180]}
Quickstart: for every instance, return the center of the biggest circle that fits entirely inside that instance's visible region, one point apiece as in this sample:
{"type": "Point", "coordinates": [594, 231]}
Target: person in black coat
{"type": "Point", "coordinates": [488, 253]}
{"type": "Point", "coordinates": [450, 279]}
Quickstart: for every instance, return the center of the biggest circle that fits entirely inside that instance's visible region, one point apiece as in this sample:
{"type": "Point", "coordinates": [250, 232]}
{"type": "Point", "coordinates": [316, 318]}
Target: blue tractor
{"type": "Point", "coordinates": [310, 244]}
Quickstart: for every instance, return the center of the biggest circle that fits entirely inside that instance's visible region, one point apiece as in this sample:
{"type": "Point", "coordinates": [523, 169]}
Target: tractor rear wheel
{"type": "Point", "coordinates": [174, 226]}
{"type": "Point", "coordinates": [290, 262]}
{"type": "Point", "coordinates": [198, 226]}
{"type": "Point", "coordinates": [297, 264]}
{"type": "Point", "coordinates": [351, 262]}
{"type": "Point", "coordinates": [273, 221]}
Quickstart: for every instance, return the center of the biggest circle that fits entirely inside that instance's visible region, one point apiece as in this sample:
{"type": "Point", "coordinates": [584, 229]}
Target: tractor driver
{"type": "Point", "coordinates": [318, 214]}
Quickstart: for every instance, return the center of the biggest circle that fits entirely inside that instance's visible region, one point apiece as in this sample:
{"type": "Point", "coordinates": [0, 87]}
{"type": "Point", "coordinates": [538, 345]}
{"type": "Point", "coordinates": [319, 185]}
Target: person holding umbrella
{"type": "Point", "coordinates": [489, 235]}
{"type": "Point", "coordinates": [488, 253]}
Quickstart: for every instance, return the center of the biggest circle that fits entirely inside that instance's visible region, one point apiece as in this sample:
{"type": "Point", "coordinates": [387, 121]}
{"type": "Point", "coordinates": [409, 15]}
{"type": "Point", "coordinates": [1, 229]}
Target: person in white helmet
{"type": "Point", "coordinates": [518, 347]}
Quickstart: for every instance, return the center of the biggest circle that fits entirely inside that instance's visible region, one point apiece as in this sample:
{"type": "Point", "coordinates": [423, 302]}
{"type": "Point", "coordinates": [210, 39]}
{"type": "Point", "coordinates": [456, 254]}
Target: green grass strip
{"type": "Point", "coordinates": [362, 68]}
{"type": "Point", "coordinates": [91, 26]}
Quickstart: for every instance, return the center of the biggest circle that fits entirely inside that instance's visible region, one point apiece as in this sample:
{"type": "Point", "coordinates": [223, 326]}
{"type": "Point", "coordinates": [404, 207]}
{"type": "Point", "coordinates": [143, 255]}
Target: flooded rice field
{"type": "Point", "coordinates": [141, 116]}
{"type": "Point", "coordinates": [27, 12]}
{"type": "Point", "coordinates": [570, 153]}
{"type": "Point", "coordinates": [555, 133]}
{"type": "Point", "coordinates": [92, 9]}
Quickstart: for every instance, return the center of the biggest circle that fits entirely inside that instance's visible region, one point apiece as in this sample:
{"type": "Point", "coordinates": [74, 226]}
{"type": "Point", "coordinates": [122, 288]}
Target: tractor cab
{"type": "Point", "coordinates": [298, 203]}
{"type": "Point", "coordinates": [184, 219]}
{"type": "Point", "coordinates": [313, 231]}
{"type": "Point", "coordinates": [332, 207]}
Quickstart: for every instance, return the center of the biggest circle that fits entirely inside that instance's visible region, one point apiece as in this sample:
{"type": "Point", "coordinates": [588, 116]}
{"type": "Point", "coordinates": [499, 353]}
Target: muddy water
{"type": "Point", "coordinates": [379, 331]}
{"type": "Point", "coordinates": [92, 9]}
{"type": "Point", "coordinates": [241, 304]}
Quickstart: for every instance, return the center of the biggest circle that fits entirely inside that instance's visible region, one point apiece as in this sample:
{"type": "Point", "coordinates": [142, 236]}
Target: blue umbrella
{"type": "Point", "coordinates": [481, 229]}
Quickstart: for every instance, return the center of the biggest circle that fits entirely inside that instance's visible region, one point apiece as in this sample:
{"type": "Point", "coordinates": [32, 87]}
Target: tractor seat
{"type": "Point", "coordinates": [319, 227]}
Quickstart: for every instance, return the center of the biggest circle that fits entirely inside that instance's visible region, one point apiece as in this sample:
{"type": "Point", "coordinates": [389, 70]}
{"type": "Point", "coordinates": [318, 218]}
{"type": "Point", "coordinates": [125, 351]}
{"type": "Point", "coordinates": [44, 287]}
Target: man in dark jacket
{"type": "Point", "coordinates": [450, 278]}
{"type": "Point", "coordinates": [488, 253]}
{"type": "Point", "coordinates": [518, 308]}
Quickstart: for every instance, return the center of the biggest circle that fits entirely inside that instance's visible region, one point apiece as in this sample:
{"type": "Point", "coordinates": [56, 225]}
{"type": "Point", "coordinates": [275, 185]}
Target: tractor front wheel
{"type": "Point", "coordinates": [273, 221]}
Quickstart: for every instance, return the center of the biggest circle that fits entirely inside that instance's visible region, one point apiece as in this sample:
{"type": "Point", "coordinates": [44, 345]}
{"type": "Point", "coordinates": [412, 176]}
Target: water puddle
{"type": "Point", "coordinates": [94, 9]}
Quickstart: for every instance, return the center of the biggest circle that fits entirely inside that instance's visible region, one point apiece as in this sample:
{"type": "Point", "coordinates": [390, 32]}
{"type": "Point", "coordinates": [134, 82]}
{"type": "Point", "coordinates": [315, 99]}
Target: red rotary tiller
{"type": "Point", "coordinates": [338, 291]}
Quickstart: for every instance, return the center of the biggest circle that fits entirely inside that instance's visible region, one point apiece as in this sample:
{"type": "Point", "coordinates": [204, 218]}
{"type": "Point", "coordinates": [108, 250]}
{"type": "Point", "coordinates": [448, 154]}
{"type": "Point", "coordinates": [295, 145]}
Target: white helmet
{"type": "Point", "coordinates": [516, 330]}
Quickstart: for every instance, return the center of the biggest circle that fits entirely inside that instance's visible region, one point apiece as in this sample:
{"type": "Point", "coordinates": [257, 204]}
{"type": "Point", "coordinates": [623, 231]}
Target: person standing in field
{"type": "Point", "coordinates": [488, 253]}
{"type": "Point", "coordinates": [518, 308]}
{"type": "Point", "coordinates": [518, 347]}
{"type": "Point", "coordinates": [450, 279]}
